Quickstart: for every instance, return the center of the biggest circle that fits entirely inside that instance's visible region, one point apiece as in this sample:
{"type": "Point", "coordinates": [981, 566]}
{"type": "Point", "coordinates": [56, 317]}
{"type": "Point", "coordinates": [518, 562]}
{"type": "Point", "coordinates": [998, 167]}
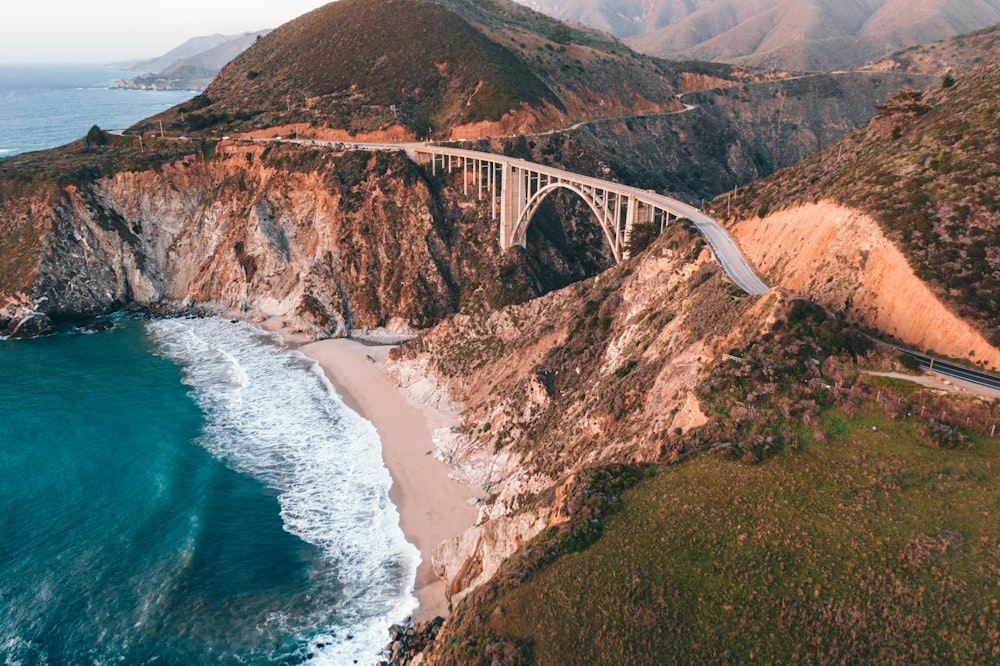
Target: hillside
{"type": "Point", "coordinates": [625, 18]}
{"type": "Point", "coordinates": [949, 56]}
{"type": "Point", "coordinates": [744, 424]}
{"type": "Point", "coordinates": [926, 172]}
{"type": "Point", "coordinates": [436, 65]}
{"type": "Point", "coordinates": [791, 35]}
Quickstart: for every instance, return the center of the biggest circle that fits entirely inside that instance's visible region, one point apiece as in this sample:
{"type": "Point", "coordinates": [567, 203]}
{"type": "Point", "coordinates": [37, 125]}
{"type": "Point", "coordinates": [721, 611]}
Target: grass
{"type": "Point", "coordinates": [874, 546]}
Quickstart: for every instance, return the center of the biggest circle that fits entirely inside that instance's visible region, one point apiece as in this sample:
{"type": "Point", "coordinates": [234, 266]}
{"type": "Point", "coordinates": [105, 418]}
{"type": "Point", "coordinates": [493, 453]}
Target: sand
{"type": "Point", "coordinates": [432, 506]}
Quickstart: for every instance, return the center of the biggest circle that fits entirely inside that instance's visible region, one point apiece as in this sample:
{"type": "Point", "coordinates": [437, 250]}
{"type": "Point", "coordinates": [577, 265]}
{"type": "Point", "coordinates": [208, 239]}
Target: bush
{"type": "Point", "coordinates": [96, 137]}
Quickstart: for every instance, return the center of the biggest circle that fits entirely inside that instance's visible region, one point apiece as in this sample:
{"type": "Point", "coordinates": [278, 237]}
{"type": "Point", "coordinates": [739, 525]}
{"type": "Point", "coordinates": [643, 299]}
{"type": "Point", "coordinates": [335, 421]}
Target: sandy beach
{"type": "Point", "coordinates": [433, 507]}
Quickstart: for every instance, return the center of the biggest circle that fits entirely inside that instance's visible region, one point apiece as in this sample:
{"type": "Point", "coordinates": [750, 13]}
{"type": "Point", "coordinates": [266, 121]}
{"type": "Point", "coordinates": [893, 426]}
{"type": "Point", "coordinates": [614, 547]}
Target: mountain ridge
{"type": "Point", "coordinates": [192, 65]}
{"type": "Point", "coordinates": [791, 35]}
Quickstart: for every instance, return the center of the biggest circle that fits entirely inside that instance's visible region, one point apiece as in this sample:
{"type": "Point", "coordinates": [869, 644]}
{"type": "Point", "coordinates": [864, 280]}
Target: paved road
{"type": "Point", "coordinates": [725, 248]}
{"type": "Point", "coordinates": [951, 370]}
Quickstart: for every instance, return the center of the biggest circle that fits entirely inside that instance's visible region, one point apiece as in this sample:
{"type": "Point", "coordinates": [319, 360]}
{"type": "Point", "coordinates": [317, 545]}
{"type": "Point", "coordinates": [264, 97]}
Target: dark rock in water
{"type": "Point", "coordinates": [408, 640]}
{"type": "Point", "coordinates": [30, 326]}
{"type": "Point", "coordinates": [96, 326]}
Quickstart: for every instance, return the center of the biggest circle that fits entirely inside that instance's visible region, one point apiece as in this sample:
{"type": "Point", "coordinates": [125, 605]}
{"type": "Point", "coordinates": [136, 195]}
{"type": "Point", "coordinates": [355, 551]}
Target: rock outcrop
{"type": "Point", "coordinates": [840, 258]}
{"type": "Point", "coordinates": [601, 372]}
{"type": "Point", "coordinates": [352, 240]}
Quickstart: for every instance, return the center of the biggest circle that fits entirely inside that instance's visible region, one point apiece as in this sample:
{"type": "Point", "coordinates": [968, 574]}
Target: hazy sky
{"type": "Point", "coordinates": [112, 30]}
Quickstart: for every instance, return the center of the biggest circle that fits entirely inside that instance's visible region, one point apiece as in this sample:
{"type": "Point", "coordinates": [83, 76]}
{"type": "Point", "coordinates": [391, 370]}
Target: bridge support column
{"type": "Point", "coordinates": [508, 208]}
{"type": "Point", "coordinates": [622, 235]}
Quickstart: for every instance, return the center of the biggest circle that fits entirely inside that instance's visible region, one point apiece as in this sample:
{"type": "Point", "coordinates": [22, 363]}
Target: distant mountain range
{"type": "Point", "coordinates": [797, 35]}
{"type": "Point", "coordinates": [190, 66]}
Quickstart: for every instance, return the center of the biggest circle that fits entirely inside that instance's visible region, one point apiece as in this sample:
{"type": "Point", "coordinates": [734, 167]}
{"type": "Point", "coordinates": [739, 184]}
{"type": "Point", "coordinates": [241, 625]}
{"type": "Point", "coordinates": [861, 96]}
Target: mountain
{"type": "Point", "coordinates": [438, 66]}
{"type": "Point", "coordinates": [806, 475]}
{"type": "Point", "coordinates": [626, 18]}
{"type": "Point", "coordinates": [191, 66]}
{"type": "Point", "coordinates": [949, 56]}
{"type": "Point", "coordinates": [916, 188]}
{"type": "Point", "coordinates": [188, 49]}
{"type": "Point", "coordinates": [791, 35]}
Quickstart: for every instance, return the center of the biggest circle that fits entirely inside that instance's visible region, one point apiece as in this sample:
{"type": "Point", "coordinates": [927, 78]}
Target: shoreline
{"type": "Point", "coordinates": [432, 506]}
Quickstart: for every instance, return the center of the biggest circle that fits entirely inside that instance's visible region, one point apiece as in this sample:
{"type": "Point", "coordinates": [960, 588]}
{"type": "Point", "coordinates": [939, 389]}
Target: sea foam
{"type": "Point", "coordinates": [272, 414]}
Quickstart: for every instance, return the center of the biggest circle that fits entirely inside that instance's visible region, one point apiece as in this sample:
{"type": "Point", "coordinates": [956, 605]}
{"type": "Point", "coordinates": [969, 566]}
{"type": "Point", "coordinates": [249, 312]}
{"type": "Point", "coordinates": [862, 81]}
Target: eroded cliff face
{"type": "Point", "coordinates": [327, 241]}
{"type": "Point", "coordinates": [600, 372]}
{"type": "Point", "coordinates": [840, 257]}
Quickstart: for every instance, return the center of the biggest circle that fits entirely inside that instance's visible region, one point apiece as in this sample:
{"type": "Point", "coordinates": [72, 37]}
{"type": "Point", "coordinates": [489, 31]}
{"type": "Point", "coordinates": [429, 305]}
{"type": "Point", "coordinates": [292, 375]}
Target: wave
{"type": "Point", "coordinates": [272, 414]}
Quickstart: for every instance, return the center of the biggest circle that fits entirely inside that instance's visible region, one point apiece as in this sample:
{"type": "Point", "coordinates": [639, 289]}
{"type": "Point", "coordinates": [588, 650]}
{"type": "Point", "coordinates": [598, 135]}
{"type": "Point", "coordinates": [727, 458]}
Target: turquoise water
{"type": "Point", "coordinates": [187, 491]}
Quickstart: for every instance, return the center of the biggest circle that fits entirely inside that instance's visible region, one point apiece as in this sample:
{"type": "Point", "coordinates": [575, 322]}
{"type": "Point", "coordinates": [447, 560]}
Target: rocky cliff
{"type": "Point", "coordinates": [326, 240]}
{"type": "Point", "coordinates": [602, 371]}
{"type": "Point", "coordinates": [922, 174]}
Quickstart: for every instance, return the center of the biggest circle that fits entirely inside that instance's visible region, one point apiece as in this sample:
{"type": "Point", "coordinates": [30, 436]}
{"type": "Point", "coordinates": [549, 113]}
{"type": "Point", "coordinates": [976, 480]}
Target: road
{"type": "Point", "coordinates": [951, 370]}
{"type": "Point", "coordinates": [725, 249]}
{"type": "Point", "coordinates": [726, 252]}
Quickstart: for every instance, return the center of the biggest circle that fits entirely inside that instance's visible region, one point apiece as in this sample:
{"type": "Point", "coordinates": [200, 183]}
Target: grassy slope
{"type": "Point", "coordinates": [874, 546]}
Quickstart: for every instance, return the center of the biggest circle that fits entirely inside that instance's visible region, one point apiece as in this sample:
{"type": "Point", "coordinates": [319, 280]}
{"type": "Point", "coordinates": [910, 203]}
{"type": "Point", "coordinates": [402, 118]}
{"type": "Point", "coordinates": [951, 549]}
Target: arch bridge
{"type": "Point", "coordinates": [516, 188]}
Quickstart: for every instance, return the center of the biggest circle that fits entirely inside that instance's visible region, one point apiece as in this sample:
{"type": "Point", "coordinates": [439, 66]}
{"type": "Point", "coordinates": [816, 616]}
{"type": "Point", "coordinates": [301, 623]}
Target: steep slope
{"type": "Point", "coordinates": [622, 19]}
{"type": "Point", "coordinates": [426, 66]}
{"type": "Point", "coordinates": [793, 35]}
{"type": "Point", "coordinates": [734, 133]}
{"type": "Point", "coordinates": [656, 362]}
{"type": "Point", "coordinates": [927, 172]}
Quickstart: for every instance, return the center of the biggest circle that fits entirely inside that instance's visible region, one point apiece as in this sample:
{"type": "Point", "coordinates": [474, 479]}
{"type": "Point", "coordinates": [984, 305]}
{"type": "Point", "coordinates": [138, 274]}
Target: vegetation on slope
{"type": "Point", "coordinates": [928, 169]}
{"type": "Point", "coordinates": [951, 56]}
{"type": "Point", "coordinates": [835, 518]}
{"type": "Point", "coordinates": [872, 545]}
{"type": "Point", "coordinates": [426, 65]}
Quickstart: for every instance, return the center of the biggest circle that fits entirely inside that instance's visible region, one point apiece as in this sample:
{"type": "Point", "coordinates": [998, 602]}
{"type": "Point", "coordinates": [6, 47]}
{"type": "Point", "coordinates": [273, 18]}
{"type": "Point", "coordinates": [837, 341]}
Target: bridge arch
{"type": "Point", "coordinates": [606, 218]}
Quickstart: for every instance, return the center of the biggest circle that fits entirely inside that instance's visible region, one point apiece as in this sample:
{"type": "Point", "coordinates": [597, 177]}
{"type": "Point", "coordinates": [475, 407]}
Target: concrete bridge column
{"type": "Point", "coordinates": [622, 235]}
{"type": "Point", "coordinates": [509, 182]}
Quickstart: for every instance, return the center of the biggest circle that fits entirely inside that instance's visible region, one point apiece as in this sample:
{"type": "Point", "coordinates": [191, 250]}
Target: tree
{"type": "Point", "coordinates": [96, 137]}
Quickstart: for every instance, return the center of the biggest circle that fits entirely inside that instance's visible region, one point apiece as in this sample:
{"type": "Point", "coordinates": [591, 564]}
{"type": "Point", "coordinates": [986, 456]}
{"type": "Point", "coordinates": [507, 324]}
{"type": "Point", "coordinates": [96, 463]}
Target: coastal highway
{"type": "Point", "coordinates": [725, 249]}
{"type": "Point", "coordinates": [951, 370]}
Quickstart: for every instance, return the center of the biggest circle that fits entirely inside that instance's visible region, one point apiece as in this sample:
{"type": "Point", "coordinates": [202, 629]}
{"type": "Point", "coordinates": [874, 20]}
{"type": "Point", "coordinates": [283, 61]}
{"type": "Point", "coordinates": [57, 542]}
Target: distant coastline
{"type": "Point", "coordinates": [45, 106]}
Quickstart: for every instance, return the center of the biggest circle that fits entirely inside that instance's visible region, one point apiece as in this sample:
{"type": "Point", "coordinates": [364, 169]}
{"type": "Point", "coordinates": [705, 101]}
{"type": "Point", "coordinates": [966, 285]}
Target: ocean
{"type": "Point", "coordinates": [188, 491]}
{"type": "Point", "coordinates": [44, 106]}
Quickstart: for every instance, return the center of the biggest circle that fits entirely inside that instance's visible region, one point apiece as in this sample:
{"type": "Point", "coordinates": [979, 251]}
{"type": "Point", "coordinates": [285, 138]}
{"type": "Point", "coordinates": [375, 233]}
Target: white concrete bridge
{"type": "Point", "coordinates": [516, 188]}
